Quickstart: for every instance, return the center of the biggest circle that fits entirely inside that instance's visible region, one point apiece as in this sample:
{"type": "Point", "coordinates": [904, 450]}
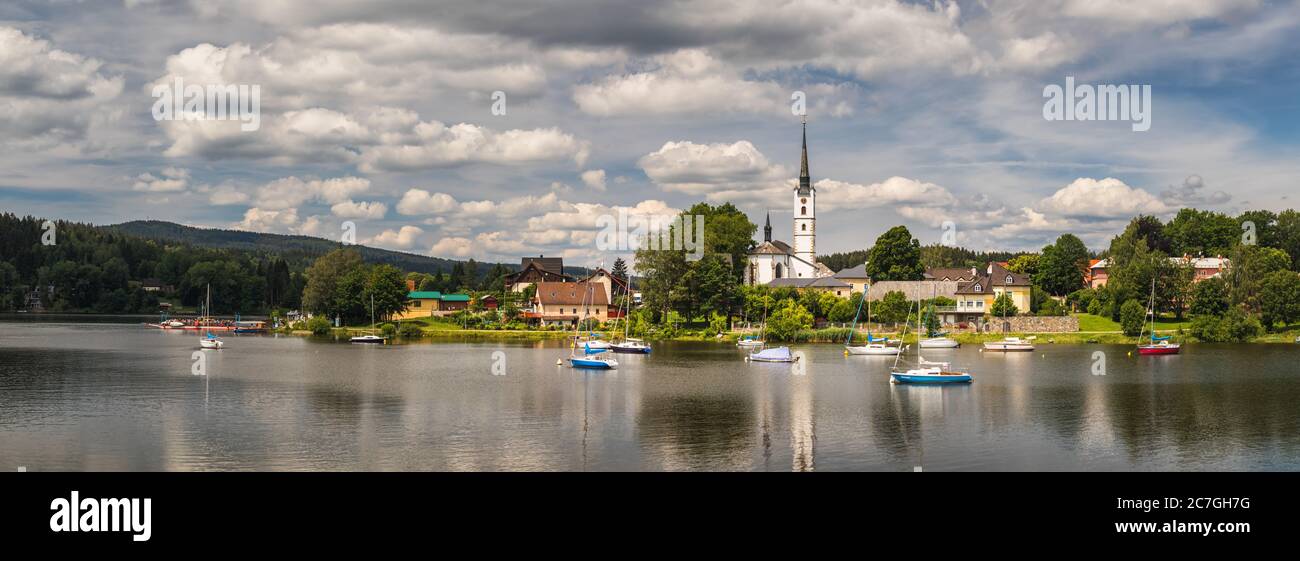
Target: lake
{"type": "Point", "coordinates": [80, 396]}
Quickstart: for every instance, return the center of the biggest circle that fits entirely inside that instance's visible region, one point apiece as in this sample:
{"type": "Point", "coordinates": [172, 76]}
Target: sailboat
{"type": "Point", "coordinates": [209, 341]}
{"type": "Point", "coordinates": [1158, 345]}
{"type": "Point", "coordinates": [371, 337]}
{"type": "Point", "coordinates": [877, 347]}
{"type": "Point", "coordinates": [749, 341]}
{"type": "Point", "coordinates": [934, 340]}
{"type": "Point", "coordinates": [593, 358]}
{"type": "Point", "coordinates": [927, 372]}
{"type": "Point", "coordinates": [628, 344]}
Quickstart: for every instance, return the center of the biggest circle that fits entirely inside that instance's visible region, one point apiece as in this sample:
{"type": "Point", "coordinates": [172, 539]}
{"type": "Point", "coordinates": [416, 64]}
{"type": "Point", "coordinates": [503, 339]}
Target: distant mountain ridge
{"type": "Point", "coordinates": [289, 246]}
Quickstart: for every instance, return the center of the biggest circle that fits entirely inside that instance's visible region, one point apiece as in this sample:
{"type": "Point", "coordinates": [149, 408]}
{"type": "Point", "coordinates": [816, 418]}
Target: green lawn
{"type": "Point", "coordinates": [1089, 322]}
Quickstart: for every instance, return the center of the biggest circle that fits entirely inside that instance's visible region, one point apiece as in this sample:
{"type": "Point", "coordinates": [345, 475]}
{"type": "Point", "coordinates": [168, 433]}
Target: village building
{"type": "Point", "coordinates": [775, 259]}
{"type": "Point", "coordinates": [421, 304]}
{"type": "Point", "coordinates": [1203, 268]}
{"type": "Point", "coordinates": [855, 277]}
{"type": "Point", "coordinates": [565, 303]}
{"type": "Point", "coordinates": [533, 270]}
{"type": "Point", "coordinates": [976, 297]}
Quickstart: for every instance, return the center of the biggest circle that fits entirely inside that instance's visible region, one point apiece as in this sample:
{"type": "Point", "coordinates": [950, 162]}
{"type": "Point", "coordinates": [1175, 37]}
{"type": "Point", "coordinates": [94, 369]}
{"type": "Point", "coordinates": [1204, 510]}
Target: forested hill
{"type": "Point", "coordinates": [289, 247]}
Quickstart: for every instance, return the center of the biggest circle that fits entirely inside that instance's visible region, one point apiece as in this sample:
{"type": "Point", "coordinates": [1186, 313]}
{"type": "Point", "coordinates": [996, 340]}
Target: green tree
{"type": "Point", "coordinates": [1131, 317]}
{"type": "Point", "coordinates": [1210, 297]}
{"type": "Point", "coordinates": [1279, 298]}
{"type": "Point", "coordinates": [1264, 224]}
{"type": "Point", "coordinates": [388, 288]}
{"type": "Point", "coordinates": [893, 307]}
{"type": "Point", "coordinates": [1202, 232]}
{"type": "Point", "coordinates": [842, 311]}
{"type": "Point", "coordinates": [1250, 264]}
{"type": "Point", "coordinates": [1287, 232]}
{"type": "Point", "coordinates": [619, 271]}
{"type": "Point", "coordinates": [1235, 325]}
{"type": "Point", "coordinates": [1003, 306]}
{"type": "Point", "coordinates": [896, 256]}
{"type": "Point", "coordinates": [323, 278]}
{"type": "Point", "coordinates": [1027, 264]}
{"type": "Point", "coordinates": [1061, 268]}
{"type": "Point", "coordinates": [788, 321]}
{"type": "Point", "coordinates": [727, 231]}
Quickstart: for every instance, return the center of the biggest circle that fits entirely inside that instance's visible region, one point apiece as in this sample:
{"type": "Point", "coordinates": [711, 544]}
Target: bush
{"type": "Point", "coordinates": [410, 331]}
{"type": "Point", "coordinates": [388, 329]}
{"type": "Point", "coordinates": [1131, 317]}
{"type": "Point", "coordinates": [1235, 326]}
{"type": "Point", "coordinates": [318, 325]}
{"type": "Point", "coordinates": [1051, 307]}
{"type": "Point", "coordinates": [788, 321]}
{"type": "Point", "coordinates": [1094, 307]}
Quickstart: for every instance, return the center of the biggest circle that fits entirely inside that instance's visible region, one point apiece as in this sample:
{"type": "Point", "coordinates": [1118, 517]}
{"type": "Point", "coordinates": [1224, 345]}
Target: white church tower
{"type": "Point", "coordinates": [805, 209]}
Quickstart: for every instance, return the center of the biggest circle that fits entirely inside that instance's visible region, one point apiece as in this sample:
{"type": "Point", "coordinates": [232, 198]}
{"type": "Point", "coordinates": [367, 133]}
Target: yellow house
{"type": "Point", "coordinates": [855, 277]}
{"type": "Point", "coordinates": [421, 304]}
{"type": "Point", "coordinates": [977, 296]}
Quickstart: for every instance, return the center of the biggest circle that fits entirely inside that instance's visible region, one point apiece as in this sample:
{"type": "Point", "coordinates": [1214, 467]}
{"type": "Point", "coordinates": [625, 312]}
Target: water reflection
{"type": "Point", "coordinates": [120, 397]}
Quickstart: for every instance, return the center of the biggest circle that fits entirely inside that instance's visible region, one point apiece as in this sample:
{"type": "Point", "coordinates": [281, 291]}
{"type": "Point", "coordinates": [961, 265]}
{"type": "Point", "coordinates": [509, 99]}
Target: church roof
{"type": "Point", "coordinates": [776, 247]}
{"type": "Point", "coordinates": [805, 181]}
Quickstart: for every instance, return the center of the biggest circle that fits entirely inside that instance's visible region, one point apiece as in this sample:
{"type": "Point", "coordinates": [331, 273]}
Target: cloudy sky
{"type": "Point", "coordinates": [919, 113]}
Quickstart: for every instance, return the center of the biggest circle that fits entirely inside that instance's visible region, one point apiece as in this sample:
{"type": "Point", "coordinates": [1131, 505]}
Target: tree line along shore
{"type": "Point", "coordinates": [93, 269]}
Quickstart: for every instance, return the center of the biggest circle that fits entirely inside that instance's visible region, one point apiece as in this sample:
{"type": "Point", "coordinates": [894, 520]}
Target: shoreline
{"type": "Point", "coordinates": [1286, 336]}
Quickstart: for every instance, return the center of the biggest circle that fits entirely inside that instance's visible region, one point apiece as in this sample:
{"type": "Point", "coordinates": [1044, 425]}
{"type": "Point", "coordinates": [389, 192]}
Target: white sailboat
{"type": "Point", "coordinates": [210, 341]}
{"type": "Point", "coordinates": [592, 358]}
{"type": "Point", "coordinates": [927, 372]}
{"type": "Point", "coordinates": [749, 341]}
{"type": "Point", "coordinates": [934, 341]}
{"type": "Point", "coordinates": [371, 337]}
{"type": "Point", "coordinates": [872, 347]}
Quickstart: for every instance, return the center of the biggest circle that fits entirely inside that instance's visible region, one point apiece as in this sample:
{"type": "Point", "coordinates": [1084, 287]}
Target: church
{"type": "Point", "coordinates": [775, 259]}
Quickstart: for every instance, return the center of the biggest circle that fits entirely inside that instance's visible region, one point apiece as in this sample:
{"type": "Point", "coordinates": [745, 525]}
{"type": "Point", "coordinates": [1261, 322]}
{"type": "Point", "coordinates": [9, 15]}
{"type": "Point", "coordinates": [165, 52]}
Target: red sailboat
{"type": "Point", "coordinates": [1158, 345]}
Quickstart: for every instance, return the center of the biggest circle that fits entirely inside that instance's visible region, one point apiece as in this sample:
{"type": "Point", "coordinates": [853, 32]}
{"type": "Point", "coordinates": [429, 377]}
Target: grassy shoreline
{"type": "Point", "coordinates": [823, 336]}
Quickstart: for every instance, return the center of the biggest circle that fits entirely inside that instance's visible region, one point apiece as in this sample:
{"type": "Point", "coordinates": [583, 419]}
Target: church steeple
{"type": "Point", "coordinates": [805, 181]}
{"type": "Point", "coordinates": [767, 230]}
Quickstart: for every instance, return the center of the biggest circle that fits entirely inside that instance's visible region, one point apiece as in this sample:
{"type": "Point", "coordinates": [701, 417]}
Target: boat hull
{"type": "Point", "coordinates": [365, 341]}
{"type": "Point", "coordinates": [940, 378]}
{"type": "Point", "coordinates": [593, 364]}
{"type": "Point", "coordinates": [640, 349]}
{"type": "Point", "coordinates": [873, 351]}
{"type": "Point", "coordinates": [939, 343]}
{"type": "Point", "coordinates": [1158, 349]}
{"type": "Point", "coordinates": [1008, 347]}
{"type": "Point", "coordinates": [211, 344]}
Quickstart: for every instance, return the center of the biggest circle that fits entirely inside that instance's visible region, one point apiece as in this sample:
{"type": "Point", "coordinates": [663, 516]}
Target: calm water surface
{"type": "Point", "coordinates": [123, 397]}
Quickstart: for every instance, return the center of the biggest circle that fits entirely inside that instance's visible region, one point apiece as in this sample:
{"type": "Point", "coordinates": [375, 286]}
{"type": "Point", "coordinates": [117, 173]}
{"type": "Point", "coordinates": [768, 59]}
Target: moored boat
{"type": "Point", "coordinates": [630, 346]}
{"type": "Point", "coordinates": [597, 362]}
{"type": "Point", "coordinates": [873, 349]}
{"type": "Point", "coordinates": [927, 372]}
{"type": "Point", "coordinates": [939, 343]}
{"type": "Point", "coordinates": [778, 354]}
{"type": "Point", "coordinates": [1009, 344]}
{"type": "Point", "coordinates": [1158, 345]}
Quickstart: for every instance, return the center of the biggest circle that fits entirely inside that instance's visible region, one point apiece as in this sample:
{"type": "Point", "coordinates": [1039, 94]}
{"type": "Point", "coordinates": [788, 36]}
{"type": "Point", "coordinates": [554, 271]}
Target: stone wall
{"type": "Point", "coordinates": [1028, 324]}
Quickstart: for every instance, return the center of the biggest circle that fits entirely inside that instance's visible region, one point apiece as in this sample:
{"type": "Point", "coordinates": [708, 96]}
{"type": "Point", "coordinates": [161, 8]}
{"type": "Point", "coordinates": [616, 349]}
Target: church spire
{"type": "Point", "coordinates": [805, 181]}
{"type": "Point", "coordinates": [767, 230]}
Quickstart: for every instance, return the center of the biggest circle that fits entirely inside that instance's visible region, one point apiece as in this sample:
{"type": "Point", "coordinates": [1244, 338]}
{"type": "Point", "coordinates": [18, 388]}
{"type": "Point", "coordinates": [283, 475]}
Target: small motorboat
{"type": "Point", "coordinates": [749, 341]}
{"type": "Point", "coordinates": [1010, 344]}
{"type": "Point", "coordinates": [939, 343]}
{"type": "Point", "coordinates": [635, 346]}
{"type": "Point", "coordinates": [211, 342]}
{"type": "Point", "coordinates": [874, 349]}
{"type": "Point", "coordinates": [596, 362]}
{"type": "Point", "coordinates": [779, 354]}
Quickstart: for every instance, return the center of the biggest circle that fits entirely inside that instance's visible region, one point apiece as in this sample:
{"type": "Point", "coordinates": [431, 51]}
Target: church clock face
{"type": "Point", "coordinates": [803, 201]}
